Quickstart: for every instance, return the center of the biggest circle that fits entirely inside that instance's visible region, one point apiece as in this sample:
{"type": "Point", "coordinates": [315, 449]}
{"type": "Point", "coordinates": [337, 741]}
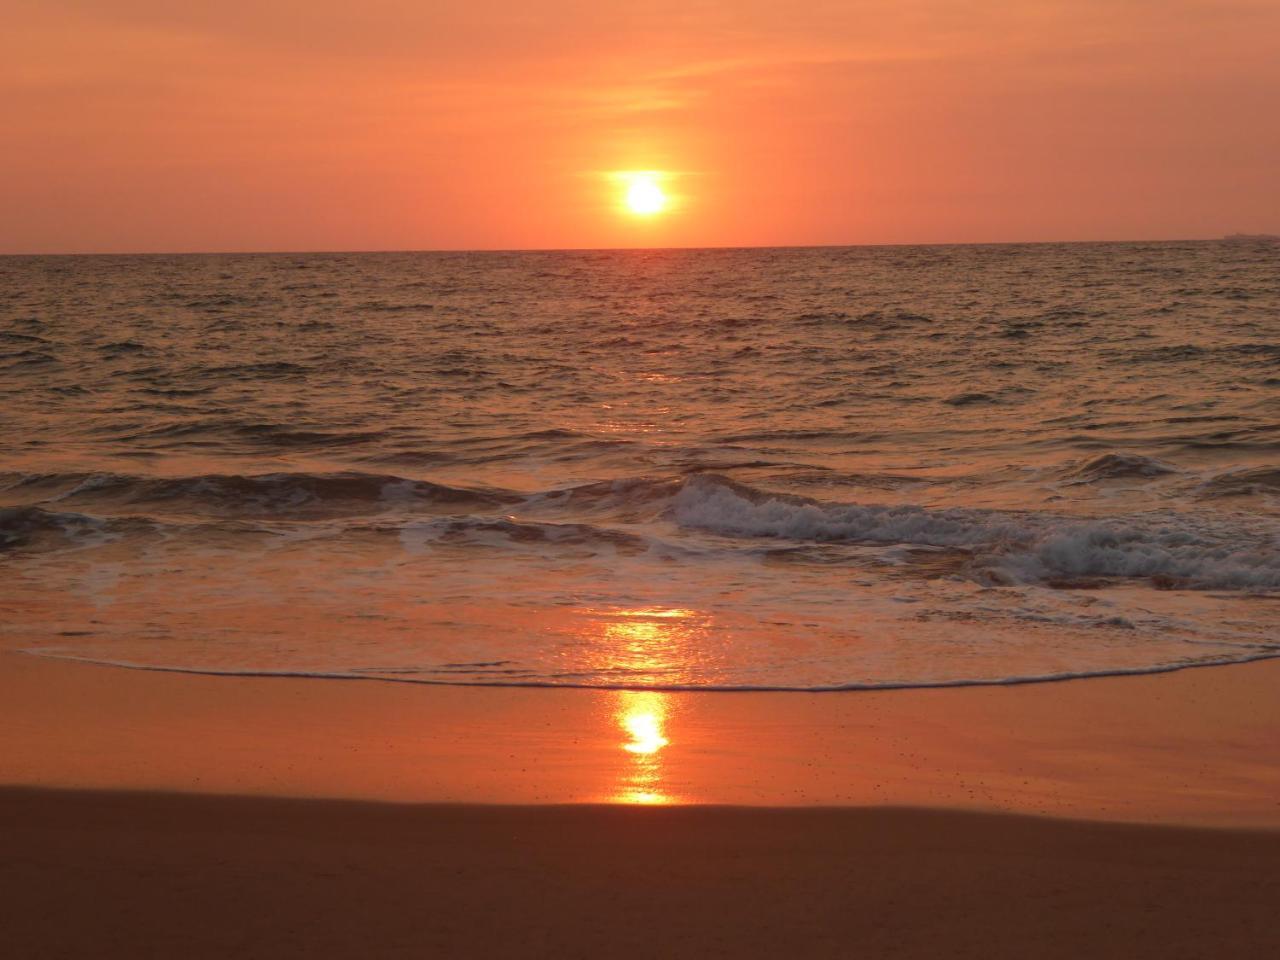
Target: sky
{"type": "Point", "coordinates": [154, 125]}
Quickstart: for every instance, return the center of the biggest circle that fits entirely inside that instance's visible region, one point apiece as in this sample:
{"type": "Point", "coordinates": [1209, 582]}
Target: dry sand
{"type": "Point", "coordinates": [135, 876]}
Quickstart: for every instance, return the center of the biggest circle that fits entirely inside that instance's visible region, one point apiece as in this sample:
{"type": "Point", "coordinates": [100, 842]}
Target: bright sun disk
{"type": "Point", "coordinates": [644, 195]}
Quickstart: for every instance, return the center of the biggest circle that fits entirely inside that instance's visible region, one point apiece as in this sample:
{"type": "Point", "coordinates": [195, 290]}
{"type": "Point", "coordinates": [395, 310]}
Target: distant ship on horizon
{"type": "Point", "coordinates": [1253, 236]}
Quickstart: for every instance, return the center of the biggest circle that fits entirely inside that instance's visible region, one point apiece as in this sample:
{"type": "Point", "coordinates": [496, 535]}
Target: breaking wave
{"type": "Point", "coordinates": [1171, 550]}
{"type": "Point", "coordinates": [1006, 547]}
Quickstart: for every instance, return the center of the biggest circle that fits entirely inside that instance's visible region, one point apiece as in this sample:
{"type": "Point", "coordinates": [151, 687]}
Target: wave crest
{"type": "Point", "coordinates": [23, 526]}
{"type": "Point", "coordinates": [1243, 483]}
{"type": "Point", "coordinates": [1116, 466]}
{"type": "Point", "coordinates": [1006, 547]}
{"type": "Point", "coordinates": [272, 494]}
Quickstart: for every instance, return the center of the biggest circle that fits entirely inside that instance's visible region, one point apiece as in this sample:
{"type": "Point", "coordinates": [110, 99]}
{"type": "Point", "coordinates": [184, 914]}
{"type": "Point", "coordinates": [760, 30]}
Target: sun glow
{"type": "Point", "coordinates": [643, 194]}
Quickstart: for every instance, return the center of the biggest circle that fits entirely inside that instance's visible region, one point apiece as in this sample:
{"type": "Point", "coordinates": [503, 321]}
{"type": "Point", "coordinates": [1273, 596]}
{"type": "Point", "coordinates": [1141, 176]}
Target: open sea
{"type": "Point", "coordinates": [802, 469]}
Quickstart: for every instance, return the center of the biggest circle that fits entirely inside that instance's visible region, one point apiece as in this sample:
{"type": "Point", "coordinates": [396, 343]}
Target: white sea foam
{"type": "Point", "coordinates": [1024, 547]}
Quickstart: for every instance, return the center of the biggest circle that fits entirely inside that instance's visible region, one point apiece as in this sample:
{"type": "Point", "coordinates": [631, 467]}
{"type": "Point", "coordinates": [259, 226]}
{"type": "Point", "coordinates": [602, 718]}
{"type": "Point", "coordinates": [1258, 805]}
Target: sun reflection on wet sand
{"type": "Point", "coordinates": [646, 732]}
{"type": "Point", "coordinates": [642, 716]}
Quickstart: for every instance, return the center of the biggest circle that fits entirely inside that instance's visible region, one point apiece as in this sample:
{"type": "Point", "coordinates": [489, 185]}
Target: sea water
{"type": "Point", "coordinates": [832, 468]}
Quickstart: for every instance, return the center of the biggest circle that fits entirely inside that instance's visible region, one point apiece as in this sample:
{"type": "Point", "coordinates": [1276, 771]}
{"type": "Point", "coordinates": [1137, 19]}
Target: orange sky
{"type": "Point", "coordinates": [133, 125]}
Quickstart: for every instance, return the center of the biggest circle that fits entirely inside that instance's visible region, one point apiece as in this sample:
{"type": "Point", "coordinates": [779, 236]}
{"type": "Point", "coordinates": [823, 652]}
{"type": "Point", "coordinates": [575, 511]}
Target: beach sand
{"type": "Point", "coordinates": [1194, 747]}
{"type": "Point", "coordinates": [144, 875]}
{"type": "Point", "coordinates": [162, 815]}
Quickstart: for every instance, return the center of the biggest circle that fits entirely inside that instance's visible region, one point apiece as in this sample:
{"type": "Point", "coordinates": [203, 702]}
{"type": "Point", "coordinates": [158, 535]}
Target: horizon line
{"type": "Point", "coordinates": [1239, 237]}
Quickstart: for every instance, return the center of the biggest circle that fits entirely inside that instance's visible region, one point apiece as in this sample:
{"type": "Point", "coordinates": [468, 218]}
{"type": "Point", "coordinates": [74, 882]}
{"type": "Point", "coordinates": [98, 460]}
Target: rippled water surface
{"type": "Point", "coordinates": [829, 468]}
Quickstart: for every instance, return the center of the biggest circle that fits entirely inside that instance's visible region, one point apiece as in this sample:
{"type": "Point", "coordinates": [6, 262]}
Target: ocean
{"type": "Point", "coordinates": [794, 469]}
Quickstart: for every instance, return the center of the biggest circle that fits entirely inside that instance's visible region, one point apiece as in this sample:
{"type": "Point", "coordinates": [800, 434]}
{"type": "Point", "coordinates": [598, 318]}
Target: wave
{"type": "Point", "coordinates": [889, 319]}
{"type": "Point", "coordinates": [252, 371]}
{"type": "Point", "coordinates": [968, 399]}
{"type": "Point", "coordinates": [271, 494]}
{"type": "Point", "coordinates": [508, 533]}
{"type": "Point", "coordinates": [1173, 550]}
{"type": "Point", "coordinates": [25, 526]}
{"type": "Point", "coordinates": [1240, 483]}
{"type": "Point", "coordinates": [789, 436]}
{"type": "Point", "coordinates": [1116, 466]}
{"type": "Point", "coordinates": [628, 494]}
{"type": "Point", "coordinates": [228, 432]}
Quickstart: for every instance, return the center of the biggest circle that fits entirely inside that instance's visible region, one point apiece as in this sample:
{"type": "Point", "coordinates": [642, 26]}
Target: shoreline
{"type": "Point", "coordinates": [107, 875]}
{"type": "Point", "coordinates": [661, 687]}
{"type": "Point", "coordinates": [1191, 747]}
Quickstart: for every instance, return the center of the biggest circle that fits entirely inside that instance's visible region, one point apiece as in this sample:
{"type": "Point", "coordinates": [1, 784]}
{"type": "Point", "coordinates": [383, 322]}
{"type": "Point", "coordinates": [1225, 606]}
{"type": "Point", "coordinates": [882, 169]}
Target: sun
{"type": "Point", "coordinates": [643, 194]}
{"type": "Point", "coordinates": [645, 197]}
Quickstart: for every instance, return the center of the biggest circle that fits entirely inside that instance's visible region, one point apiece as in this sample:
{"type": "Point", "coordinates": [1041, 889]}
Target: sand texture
{"type": "Point", "coordinates": [88, 874]}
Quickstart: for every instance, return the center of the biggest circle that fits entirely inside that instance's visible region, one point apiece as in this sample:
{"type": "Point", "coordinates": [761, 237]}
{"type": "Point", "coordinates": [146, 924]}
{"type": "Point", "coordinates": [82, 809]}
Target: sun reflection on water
{"type": "Point", "coordinates": [645, 645]}
{"type": "Point", "coordinates": [649, 645]}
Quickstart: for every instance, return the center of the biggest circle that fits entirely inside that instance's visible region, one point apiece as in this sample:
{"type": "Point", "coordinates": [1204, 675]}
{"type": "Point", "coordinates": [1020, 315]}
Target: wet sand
{"type": "Point", "coordinates": [1196, 747]}
{"type": "Point", "coordinates": [86, 874]}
